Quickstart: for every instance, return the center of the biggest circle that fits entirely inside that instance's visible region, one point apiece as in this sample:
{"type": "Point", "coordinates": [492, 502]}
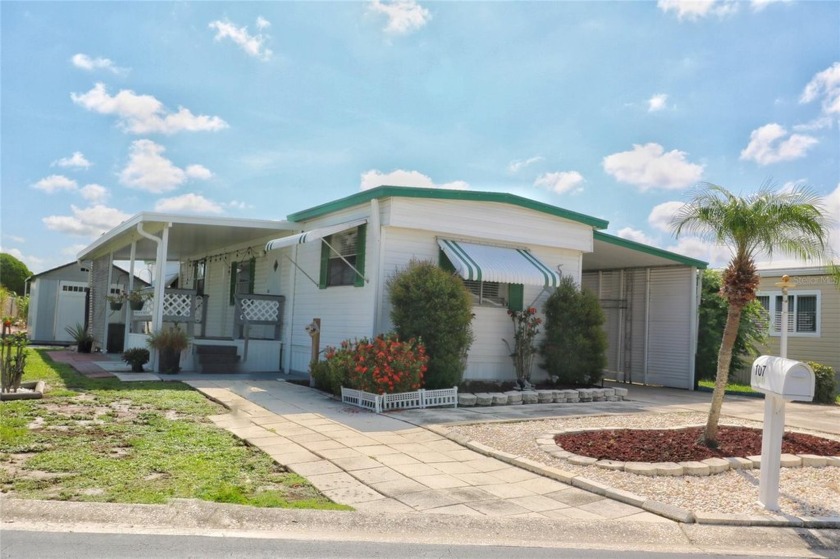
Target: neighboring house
{"type": "Point", "coordinates": [255, 285]}
{"type": "Point", "coordinates": [59, 299]}
{"type": "Point", "coordinates": [813, 314]}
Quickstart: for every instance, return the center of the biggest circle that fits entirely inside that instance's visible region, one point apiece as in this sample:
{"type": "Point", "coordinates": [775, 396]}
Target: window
{"type": "Point", "coordinates": [803, 312]}
{"type": "Point", "coordinates": [489, 293]}
{"type": "Point", "coordinates": [340, 254]}
{"type": "Point", "coordinates": [242, 278]}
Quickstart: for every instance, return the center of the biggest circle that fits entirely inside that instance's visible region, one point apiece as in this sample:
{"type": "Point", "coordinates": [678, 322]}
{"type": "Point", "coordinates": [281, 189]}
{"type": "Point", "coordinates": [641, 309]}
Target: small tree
{"type": "Point", "coordinates": [13, 273]}
{"type": "Point", "coordinates": [575, 345]}
{"type": "Point", "coordinates": [752, 332]}
{"type": "Point", "coordinates": [434, 306]}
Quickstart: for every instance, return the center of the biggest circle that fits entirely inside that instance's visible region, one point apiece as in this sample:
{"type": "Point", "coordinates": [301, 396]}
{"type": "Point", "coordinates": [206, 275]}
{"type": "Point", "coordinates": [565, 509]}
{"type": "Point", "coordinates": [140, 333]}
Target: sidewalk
{"type": "Point", "coordinates": [380, 463]}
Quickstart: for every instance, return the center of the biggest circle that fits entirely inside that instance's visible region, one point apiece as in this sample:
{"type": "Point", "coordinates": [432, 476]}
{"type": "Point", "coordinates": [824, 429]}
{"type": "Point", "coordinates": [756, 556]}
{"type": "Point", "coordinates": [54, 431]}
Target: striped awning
{"type": "Point", "coordinates": [498, 264]}
{"type": "Point", "coordinates": [313, 235]}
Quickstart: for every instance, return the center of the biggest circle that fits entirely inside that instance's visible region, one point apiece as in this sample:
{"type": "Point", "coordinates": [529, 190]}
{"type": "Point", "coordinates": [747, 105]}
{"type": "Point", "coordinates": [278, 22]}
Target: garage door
{"type": "Point", "coordinates": [70, 308]}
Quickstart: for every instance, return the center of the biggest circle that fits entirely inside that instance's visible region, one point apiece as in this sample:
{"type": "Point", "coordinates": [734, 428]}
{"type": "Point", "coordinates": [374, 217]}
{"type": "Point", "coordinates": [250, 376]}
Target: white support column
{"type": "Point", "coordinates": [127, 311]}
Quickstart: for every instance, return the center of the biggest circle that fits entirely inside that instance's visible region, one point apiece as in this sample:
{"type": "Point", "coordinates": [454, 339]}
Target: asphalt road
{"type": "Point", "coordinates": [18, 544]}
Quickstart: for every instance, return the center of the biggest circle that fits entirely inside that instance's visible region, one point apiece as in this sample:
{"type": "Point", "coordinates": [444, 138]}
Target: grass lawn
{"type": "Point", "coordinates": [741, 388]}
{"type": "Point", "coordinates": [141, 442]}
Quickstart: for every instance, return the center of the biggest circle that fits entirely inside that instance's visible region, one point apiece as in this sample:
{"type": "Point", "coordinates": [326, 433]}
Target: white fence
{"type": "Point", "coordinates": [401, 401]}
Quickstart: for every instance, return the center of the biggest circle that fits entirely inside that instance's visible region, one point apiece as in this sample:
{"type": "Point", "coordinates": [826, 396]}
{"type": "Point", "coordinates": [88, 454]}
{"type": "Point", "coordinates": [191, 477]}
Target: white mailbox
{"type": "Point", "coordinates": [792, 380]}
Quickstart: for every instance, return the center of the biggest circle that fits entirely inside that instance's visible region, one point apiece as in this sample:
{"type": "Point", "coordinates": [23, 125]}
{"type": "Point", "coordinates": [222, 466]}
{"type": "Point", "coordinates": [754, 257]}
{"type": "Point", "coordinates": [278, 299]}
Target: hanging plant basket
{"type": "Point", "coordinates": [116, 306]}
{"type": "Point", "coordinates": [136, 305]}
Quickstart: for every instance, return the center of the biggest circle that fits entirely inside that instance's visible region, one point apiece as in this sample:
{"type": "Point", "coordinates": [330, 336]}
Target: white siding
{"type": "Point", "coordinates": [489, 221]}
{"type": "Point", "coordinates": [670, 329]}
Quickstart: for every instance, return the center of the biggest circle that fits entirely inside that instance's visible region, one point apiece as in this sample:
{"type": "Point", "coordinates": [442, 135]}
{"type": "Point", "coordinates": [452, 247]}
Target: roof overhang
{"type": "Point", "coordinates": [614, 253]}
{"type": "Point", "coordinates": [188, 235]}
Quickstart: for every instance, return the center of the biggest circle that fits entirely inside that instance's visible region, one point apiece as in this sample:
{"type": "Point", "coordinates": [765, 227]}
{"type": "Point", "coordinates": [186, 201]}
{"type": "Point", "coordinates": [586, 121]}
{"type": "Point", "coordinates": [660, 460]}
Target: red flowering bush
{"type": "Point", "coordinates": [384, 365]}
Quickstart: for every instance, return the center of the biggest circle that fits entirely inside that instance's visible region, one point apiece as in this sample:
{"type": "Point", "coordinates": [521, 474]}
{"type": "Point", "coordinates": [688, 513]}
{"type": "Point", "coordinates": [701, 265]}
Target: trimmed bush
{"type": "Point", "coordinates": [384, 365]}
{"type": "Point", "coordinates": [825, 383]}
{"type": "Point", "coordinates": [575, 345]}
{"type": "Point", "coordinates": [432, 304]}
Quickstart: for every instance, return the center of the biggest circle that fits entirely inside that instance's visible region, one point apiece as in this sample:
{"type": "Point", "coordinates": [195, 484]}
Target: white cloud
{"type": "Point", "coordinates": [189, 203]}
{"type": "Point", "coordinates": [404, 16]}
{"type": "Point", "coordinates": [825, 84]}
{"type": "Point", "coordinates": [76, 160]}
{"type": "Point", "coordinates": [148, 170]}
{"type": "Point", "coordinates": [635, 235]}
{"type": "Point", "coordinates": [519, 164]}
{"type": "Point", "coordinates": [85, 62]}
{"type": "Point", "coordinates": [239, 205]}
{"type": "Point", "coordinates": [818, 123]}
{"type": "Point", "coordinates": [253, 45]}
{"type": "Point", "coordinates": [694, 10]}
{"type": "Point", "coordinates": [143, 114]}
{"type": "Point", "coordinates": [199, 172]}
{"type": "Point", "coordinates": [649, 166]}
{"type": "Point", "coordinates": [560, 182]}
{"type": "Point", "coordinates": [662, 215]}
{"type": "Point", "coordinates": [767, 146]}
{"type": "Point", "coordinates": [94, 193]}
{"type": "Point", "coordinates": [54, 183]}
{"type": "Point", "coordinates": [374, 178]}
{"type": "Point", "coordinates": [718, 256]}
{"type": "Point", "coordinates": [759, 5]}
{"type": "Point", "coordinates": [87, 222]}
{"type": "Point", "coordinates": [657, 102]}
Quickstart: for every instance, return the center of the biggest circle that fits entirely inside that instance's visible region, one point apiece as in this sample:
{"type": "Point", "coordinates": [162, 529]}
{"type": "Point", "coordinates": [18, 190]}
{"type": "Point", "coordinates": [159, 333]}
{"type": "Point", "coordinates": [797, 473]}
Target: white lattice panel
{"type": "Point", "coordinates": [177, 305]}
{"type": "Point", "coordinates": [260, 310]}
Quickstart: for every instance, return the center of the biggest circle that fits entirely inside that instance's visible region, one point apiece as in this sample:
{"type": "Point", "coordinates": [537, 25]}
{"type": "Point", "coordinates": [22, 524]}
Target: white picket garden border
{"type": "Point", "coordinates": [402, 400]}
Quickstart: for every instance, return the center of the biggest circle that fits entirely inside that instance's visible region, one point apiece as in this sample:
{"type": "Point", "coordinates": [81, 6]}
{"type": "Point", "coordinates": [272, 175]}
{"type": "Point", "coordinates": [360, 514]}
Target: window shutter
{"type": "Point", "coordinates": [360, 255]}
{"type": "Point", "coordinates": [516, 297]}
{"type": "Point", "coordinates": [325, 264]}
{"type": "Point", "coordinates": [233, 274]}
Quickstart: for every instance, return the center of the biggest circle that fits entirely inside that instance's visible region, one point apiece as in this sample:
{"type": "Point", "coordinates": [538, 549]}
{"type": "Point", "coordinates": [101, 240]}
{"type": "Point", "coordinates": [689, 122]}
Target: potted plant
{"type": "Point", "coordinates": [169, 342]}
{"type": "Point", "coordinates": [80, 335]}
{"type": "Point", "coordinates": [136, 357]}
{"type": "Point", "coordinates": [116, 300]}
{"type": "Point", "coordinates": [137, 298]}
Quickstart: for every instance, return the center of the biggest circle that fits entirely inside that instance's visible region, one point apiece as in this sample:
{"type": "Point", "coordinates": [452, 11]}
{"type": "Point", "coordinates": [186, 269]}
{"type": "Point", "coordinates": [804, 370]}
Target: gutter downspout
{"type": "Point", "coordinates": [376, 234]}
{"type": "Point", "coordinates": [647, 326]}
{"type": "Point", "coordinates": [696, 283]}
{"type": "Point", "coordinates": [159, 288]}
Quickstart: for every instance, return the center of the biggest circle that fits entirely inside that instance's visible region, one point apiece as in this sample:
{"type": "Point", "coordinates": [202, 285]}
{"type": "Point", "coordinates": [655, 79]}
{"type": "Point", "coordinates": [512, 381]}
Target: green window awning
{"type": "Point", "coordinates": [498, 264]}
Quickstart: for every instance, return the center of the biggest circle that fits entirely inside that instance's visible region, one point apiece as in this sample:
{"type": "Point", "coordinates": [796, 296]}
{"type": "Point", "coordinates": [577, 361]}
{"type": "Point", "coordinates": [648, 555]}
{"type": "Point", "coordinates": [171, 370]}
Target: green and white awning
{"type": "Point", "coordinates": [312, 235]}
{"type": "Point", "coordinates": [498, 264]}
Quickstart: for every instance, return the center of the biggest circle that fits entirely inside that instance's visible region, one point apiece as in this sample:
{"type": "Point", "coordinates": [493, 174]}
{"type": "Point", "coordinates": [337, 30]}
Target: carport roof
{"type": "Point", "coordinates": [188, 235]}
{"type": "Point", "coordinates": [613, 253]}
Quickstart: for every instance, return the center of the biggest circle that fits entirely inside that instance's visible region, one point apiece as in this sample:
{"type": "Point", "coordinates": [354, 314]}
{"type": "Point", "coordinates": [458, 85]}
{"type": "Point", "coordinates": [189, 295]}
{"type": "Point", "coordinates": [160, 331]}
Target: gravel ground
{"type": "Point", "coordinates": [803, 491]}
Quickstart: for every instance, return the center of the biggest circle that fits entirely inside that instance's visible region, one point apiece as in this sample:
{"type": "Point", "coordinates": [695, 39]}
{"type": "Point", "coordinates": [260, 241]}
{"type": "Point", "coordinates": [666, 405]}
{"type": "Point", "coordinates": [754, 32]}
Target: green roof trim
{"type": "Point", "coordinates": [441, 194]}
{"type": "Point", "coordinates": [633, 245]}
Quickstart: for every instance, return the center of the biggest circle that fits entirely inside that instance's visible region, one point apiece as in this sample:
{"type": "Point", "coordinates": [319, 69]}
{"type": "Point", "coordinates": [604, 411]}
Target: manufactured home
{"type": "Point", "coordinates": [254, 286]}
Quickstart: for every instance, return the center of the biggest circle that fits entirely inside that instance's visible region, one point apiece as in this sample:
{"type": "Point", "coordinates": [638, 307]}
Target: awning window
{"type": "Point", "coordinates": [498, 264]}
{"type": "Point", "coordinates": [312, 235]}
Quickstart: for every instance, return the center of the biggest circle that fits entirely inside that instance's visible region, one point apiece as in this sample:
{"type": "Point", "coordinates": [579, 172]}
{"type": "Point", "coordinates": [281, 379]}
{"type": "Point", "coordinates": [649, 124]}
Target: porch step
{"type": "Point", "coordinates": [217, 358]}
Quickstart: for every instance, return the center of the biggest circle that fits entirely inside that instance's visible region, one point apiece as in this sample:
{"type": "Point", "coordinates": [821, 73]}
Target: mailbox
{"type": "Point", "coordinates": [792, 380]}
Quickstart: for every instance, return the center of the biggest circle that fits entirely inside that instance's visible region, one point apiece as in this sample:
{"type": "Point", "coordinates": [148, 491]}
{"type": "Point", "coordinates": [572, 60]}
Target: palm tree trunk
{"type": "Point", "coordinates": [730, 333]}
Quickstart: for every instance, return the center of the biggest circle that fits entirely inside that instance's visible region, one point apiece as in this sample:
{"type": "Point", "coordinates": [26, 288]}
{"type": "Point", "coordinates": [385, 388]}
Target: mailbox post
{"type": "Point", "coordinates": [779, 379]}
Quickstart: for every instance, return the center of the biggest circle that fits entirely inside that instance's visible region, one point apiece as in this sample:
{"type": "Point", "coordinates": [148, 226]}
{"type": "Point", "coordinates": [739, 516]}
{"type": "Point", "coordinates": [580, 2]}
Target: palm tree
{"type": "Point", "coordinates": [790, 222]}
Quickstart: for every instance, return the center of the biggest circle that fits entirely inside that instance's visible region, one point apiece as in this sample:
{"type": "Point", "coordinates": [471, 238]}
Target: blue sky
{"type": "Point", "coordinates": [257, 110]}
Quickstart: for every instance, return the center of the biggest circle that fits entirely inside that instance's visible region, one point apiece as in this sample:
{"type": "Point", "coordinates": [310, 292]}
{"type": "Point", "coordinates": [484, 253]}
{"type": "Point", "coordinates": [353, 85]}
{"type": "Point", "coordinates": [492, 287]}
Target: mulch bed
{"type": "Point", "coordinates": [683, 445]}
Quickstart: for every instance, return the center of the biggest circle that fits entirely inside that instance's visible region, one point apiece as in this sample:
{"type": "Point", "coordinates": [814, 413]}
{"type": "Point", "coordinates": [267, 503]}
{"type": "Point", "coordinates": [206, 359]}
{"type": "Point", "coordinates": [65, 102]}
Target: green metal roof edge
{"type": "Point", "coordinates": [441, 194]}
{"type": "Point", "coordinates": [633, 245]}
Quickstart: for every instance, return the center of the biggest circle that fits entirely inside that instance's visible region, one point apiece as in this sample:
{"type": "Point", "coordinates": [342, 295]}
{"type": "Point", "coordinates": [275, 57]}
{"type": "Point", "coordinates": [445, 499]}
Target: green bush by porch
{"type": "Point", "coordinates": [433, 305]}
{"type": "Point", "coordinates": [575, 346]}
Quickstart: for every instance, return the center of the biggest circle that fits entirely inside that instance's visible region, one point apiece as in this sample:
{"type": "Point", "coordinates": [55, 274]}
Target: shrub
{"type": "Point", "coordinates": [384, 365]}
{"type": "Point", "coordinates": [432, 304]}
{"type": "Point", "coordinates": [136, 357]}
{"type": "Point", "coordinates": [575, 345]}
{"type": "Point", "coordinates": [825, 383]}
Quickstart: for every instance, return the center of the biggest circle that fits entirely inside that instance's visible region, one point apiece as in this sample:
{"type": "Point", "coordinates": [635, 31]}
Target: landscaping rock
{"type": "Point", "coordinates": [737, 463]}
{"type": "Point", "coordinates": [585, 394]}
{"type": "Point", "coordinates": [499, 399]}
{"type": "Point", "coordinates": [756, 461]}
{"type": "Point", "coordinates": [813, 460]}
{"type": "Point", "coordinates": [716, 465]}
{"type": "Point", "coordinates": [483, 399]}
{"type": "Point", "coordinates": [514, 397]}
{"type": "Point", "coordinates": [598, 394]}
{"type": "Point", "coordinates": [529, 397]}
{"type": "Point", "coordinates": [572, 396]}
{"type": "Point", "coordinates": [668, 469]}
{"type": "Point", "coordinates": [560, 396]}
{"type": "Point", "coordinates": [581, 460]}
{"type": "Point", "coordinates": [610, 464]}
{"type": "Point", "coordinates": [695, 468]}
{"type": "Point", "coordinates": [791, 461]}
{"type": "Point", "coordinates": [466, 399]}
{"type": "Point", "coordinates": [640, 468]}
{"type": "Point", "coordinates": [620, 393]}
{"type": "Point", "coordinates": [545, 396]}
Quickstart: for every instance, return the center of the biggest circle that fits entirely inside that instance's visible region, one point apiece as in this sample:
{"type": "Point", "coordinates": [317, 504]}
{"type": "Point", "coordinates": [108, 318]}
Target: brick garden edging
{"type": "Point", "coordinates": [514, 397]}
{"type": "Point", "coordinates": [709, 466]}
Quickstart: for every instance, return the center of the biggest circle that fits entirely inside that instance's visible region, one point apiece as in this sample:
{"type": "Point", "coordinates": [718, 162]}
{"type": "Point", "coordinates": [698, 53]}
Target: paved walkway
{"type": "Point", "coordinates": [378, 463]}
